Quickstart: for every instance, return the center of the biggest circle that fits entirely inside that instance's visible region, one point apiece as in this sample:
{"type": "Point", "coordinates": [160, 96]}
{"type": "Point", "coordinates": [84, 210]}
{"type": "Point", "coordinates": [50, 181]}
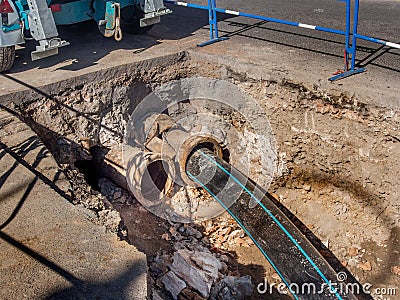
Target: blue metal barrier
{"type": "Point", "coordinates": [350, 47]}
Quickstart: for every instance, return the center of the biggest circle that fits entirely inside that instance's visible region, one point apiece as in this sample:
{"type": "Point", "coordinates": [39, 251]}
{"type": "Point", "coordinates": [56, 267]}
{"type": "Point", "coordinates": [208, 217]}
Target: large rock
{"type": "Point", "coordinates": [197, 269]}
{"type": "Point", "coordinates": [208, 263]}
{"type": "Point", "coordinates": [173, 284]}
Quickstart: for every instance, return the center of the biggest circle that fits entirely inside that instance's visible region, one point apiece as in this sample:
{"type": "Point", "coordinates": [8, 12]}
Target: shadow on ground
{"type": "Point", "coordinates": [368, 54]}
{"type": "Point", "coordinates": [88, 46]}
{"type": "Point", "coordinates": [114, 288]}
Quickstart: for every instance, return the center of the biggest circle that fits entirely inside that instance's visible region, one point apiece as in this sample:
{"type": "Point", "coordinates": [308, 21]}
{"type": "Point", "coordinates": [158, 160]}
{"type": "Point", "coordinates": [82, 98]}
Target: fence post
{"type": "Point", "coordinates": [213, 23]}
{"type": "Point", "coordinates": [353, 49]}
{"type": "Point", "coordinates": [348, 20]}
{"type": "Point", "coordinates": [355, 26]}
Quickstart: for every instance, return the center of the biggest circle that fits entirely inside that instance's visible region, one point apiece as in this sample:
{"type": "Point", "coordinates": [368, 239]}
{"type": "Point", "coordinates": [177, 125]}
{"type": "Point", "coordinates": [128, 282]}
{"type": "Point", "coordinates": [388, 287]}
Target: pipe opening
{"type": "Point", "coordinates": [90, 168]}
{"type": "Point", "coordinates": [208, 145]}
{"type": "Point", "coordinates": [190, 146]}
{"type": "Point", "coordinates": [223, 152]}
{"type": "Point", "coordinates": [155, 180]}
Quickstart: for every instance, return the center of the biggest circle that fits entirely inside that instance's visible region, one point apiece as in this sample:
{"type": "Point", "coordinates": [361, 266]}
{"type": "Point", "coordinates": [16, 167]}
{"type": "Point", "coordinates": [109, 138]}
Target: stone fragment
{"type": "Point", "coordinates": [237, 233]}
{"type": "Point", "coordinates": [396, 270]}
{"type": "Point", "coordinates": [226, 230]}
{"type": "Point", "coordinates": [353, 262]}
{"type": "Point", "coordinates": [173, 284]}
{"type": "Point", "coordinates": [166, 236]}
{"type": "Point", "coordinates": [238, 288]}
{"type": "Point", "coordinates": [190, 231]}
{"type": "Point", "coordinates": [365, 266]}
{"type": "Point", "coordinates": [353, 251]}
{"type": "Point", "coordinates": [197, 247]}
{"type": "Point", "coordinates": [208, 263]}
{"type": "Point", "coordinates": [156, 295]}
{"type": "Point", "coordinates": [195, 276]}
{"type": "Point", "coordinates": [178, 245]}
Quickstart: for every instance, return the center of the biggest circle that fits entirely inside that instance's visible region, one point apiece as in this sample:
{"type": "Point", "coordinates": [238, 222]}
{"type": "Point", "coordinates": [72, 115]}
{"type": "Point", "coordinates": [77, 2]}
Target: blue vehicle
{"type": "Point", "coordinates": [38, 19]}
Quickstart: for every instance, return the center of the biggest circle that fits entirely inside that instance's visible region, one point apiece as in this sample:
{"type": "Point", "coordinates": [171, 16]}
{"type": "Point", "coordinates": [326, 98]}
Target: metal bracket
{"type": "Point", "coordinates": [47, 48]}
{"type": "Point", "coordinates": [212, 41]}
{"type": "Point", "coordinates": [110, 26]}
{"type": "Point", "coordinates": [154, 17]}
{"type": "Point", "coordinates": [347, 74]}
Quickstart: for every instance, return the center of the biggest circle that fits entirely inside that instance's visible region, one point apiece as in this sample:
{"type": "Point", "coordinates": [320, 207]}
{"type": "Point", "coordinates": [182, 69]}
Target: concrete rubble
{"type": "Point", "coordinates": [199, 277]}
{"type": "Point", "coordinates": [173, 284]}
{"type": "Point", "coordinates": [193, 271]}
{"type": "Point", "coordinates": [233, 288]}
{"type": "Point", "coordinates": [193, 268]}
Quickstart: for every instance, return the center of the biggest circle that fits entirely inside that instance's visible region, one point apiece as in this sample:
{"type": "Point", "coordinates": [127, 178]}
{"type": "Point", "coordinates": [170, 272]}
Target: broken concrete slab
{"type": "Point", "coordinates": [49, 248]}
{"type": "Point", "coordinates": [173, 284]}
{"type": "Point", "coordinates": [198, 278]}
{"type": "Point", "coordinates": [208, 263]}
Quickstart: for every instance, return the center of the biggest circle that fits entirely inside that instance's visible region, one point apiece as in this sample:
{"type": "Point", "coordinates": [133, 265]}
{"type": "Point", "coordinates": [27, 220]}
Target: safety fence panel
{"type": "Point", "coordinates": [351, 31]}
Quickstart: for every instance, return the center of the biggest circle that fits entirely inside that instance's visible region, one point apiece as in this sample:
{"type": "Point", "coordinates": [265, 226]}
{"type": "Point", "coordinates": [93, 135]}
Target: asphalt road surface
{"type": "Point", "coordinates": [89, 51]}
{"type": "Point", "coordinates": [380, 19]}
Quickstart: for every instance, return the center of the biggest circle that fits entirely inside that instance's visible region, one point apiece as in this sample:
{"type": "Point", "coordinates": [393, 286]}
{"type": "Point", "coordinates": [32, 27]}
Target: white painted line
{"type": "Point", "coordinates": [182, 3]}
{"type": "Point", "coordinates": [232, 12]}
{"type": "Point", "coordinates": [307, 26]}
{"type": "Point", "coordinates": [390, 44]}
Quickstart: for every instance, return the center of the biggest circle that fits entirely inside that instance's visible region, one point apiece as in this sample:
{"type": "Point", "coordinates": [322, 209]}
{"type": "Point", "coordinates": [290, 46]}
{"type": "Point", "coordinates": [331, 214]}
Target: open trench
{"type": "Point", "coordinates": [338, 163]}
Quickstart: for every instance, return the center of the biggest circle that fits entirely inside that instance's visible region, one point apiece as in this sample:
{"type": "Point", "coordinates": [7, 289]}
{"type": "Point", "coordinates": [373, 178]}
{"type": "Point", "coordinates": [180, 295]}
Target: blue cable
{"type": "Point", "coordinates": [278, 223]}
{"type": "Point", "coordinates": [244, 228]}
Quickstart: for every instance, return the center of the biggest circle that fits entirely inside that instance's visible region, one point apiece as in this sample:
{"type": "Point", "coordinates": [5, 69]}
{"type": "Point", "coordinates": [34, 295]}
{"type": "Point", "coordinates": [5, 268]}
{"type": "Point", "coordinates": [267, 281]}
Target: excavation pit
{"type": "Point", "coordinates": [338, 157]}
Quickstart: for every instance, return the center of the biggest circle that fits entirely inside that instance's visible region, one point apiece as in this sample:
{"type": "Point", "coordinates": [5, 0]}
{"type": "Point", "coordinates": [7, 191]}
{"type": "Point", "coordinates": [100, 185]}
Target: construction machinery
{"type": "Point", "coordinates": [23, 20]}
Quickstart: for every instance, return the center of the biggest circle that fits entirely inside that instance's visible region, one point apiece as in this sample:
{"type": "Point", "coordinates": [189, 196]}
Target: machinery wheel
{"type": "Point", "coordinates": [7, 56]}
{"type": "Point", "coordinates": [130, 20]}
